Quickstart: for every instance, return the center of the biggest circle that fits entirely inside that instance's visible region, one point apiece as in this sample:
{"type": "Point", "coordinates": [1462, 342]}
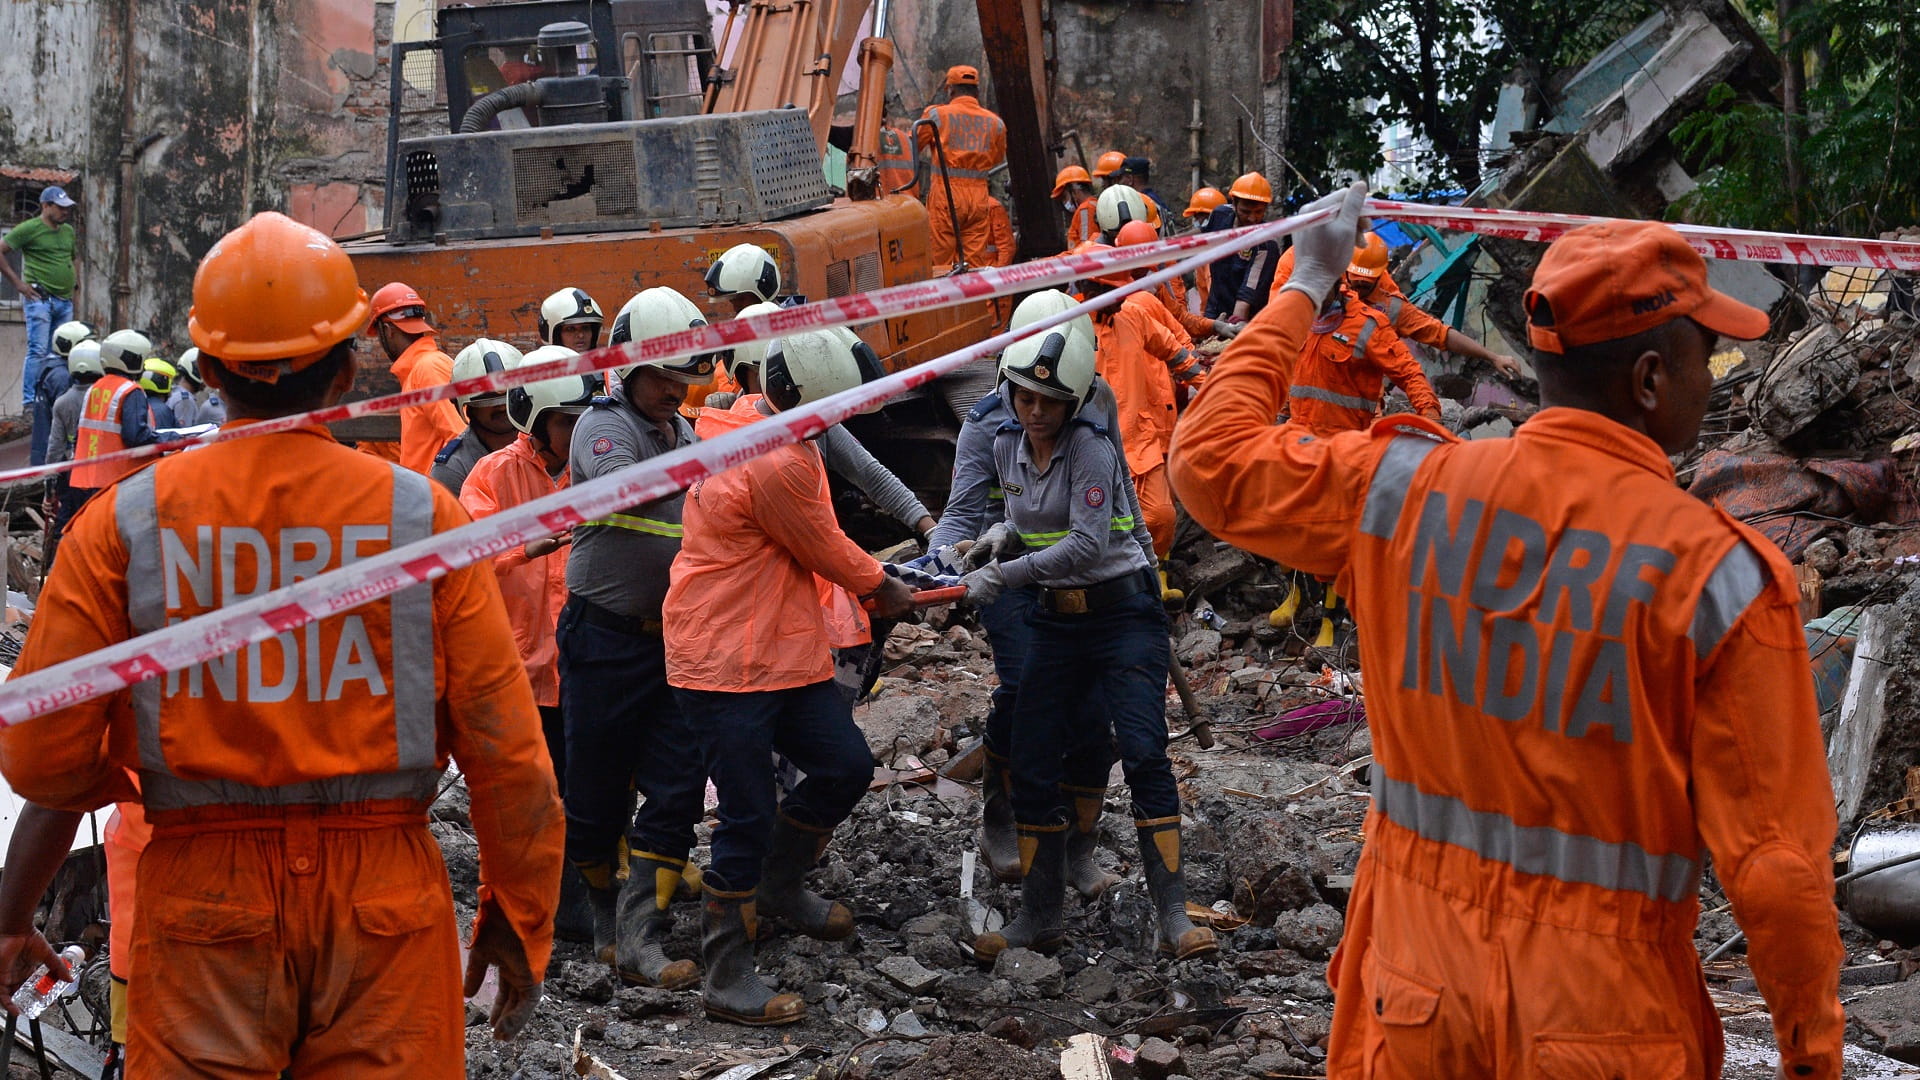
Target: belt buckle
{"type": "Point", "coordinates": [1070, 601]}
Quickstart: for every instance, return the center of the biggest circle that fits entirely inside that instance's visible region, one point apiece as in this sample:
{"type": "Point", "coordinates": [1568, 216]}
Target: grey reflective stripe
{"type": "Point", "coordinates": [1391, 480]}
{"type": "Point", "coordinates": [1393, 309]}
{"type": "Point", "coordinates": [1345, 401]}
{"type": "Point", "coordinates": [1360, 340]}
{"type": "Point", "coordinates": [1734, 585]}
{"type": "Point", "coordinates": [162, 791]}
{"type": "Point", "coordinates": [968, 174]}
{"type": "Point", "coordinates": [137, 513]}
{"type": "Point", "coordinates": [1534, 849]}
{"type": "Point", "coordinates": [411, 652]}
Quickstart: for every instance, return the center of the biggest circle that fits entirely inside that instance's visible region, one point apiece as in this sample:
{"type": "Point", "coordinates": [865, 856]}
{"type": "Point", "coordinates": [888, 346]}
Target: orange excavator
{"type": "Point", "coordinates": [613, 145]}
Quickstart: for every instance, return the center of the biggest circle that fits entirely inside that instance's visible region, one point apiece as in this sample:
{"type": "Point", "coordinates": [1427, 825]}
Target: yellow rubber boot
{"type": "Point", "coordinates": [1168, 594]}
{"type": "Point", "coordinates": [1324, 640]}
{"type": "Point", "coordinates": [1282, 617]}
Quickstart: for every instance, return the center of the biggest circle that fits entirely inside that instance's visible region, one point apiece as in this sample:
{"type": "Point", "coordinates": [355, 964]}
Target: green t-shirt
{"type": "Point", "coordinates": [47, 254]}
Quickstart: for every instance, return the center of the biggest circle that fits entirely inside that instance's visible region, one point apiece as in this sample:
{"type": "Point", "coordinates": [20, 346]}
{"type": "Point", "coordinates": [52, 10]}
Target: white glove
{"type": "Point", "coordinates": [993, 543]}
{"type": "Point", "coordinates": [984, 585]}
{"type": "Point", "coordinates": [1226, 328]}
{"type": "Point", "coordinates": [1322, 252]}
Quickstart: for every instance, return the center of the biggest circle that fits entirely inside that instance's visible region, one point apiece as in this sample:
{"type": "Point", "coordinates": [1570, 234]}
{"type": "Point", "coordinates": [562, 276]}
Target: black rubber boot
{"type": "Point", "coordinates": [733, 990]}
{"type": "Point", "coordinates": [792, 850]}
{"type": "Point", "coordinates": [645, 922]}
{"type": "Point", "coordinates": [1160, 855]}
{"type": "Point", "coordinates": [1043, 892]}
{"type": "Point", "coordinates": [1083, 865]}
{"type": "Point", "coordinates": [997, 841]}
{"type": "Point", "coordinates": [603, 900]}
{"type": "Point", "coordinates": [573, 919]}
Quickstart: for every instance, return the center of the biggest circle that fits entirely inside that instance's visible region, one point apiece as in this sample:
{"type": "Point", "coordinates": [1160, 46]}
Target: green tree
{"type": "Point", "coordinates": [1855, 143]}
{"type": "Point", "coordinates": [1437, 64]}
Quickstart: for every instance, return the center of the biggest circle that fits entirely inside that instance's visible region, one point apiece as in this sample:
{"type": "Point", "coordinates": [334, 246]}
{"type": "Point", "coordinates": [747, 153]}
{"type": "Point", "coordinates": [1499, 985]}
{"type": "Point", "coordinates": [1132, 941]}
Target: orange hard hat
{"type": "Point", "coordinates": [1072, 174]}
{"type": "Point", "coordinates": [1252, 186]}
{"type": "Point", "coordinates": [1369, 259]}
{"type": "Point", "coordinates": [400, 305]}
{"type": "Point", "coordinates": [274, 290]}
{"type": "Point", "coordinates": [1204, 202]}
{"type": "Point", "coordinates": [1109, 163]}
{"type": "Point", "coordinates": [1115, 278]}
{"type": "Point", "coordinates": [1135, 232]}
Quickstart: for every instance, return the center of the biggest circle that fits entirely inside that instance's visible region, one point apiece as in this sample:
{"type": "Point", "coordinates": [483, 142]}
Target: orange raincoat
{"type": "Point", "coordinates": [534, 589]}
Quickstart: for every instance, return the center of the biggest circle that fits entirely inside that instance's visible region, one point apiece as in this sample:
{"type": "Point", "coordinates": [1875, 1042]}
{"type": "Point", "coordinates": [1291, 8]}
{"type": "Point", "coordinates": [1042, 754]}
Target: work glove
{"type": "Point", "coordinates": [985, 585]}
{"type": "Point", "coordinates": [496, 946]}
{"type": "Point", "coordinates": [1226, 328]}
{"type": "Point", "coordinates": [1322, 252]}
{"type": "Point", "coordinates": [994, 543]}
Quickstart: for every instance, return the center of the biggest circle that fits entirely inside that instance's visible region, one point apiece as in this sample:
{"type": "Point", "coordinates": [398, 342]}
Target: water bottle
{"type": "Point", "coordinates": [43, 989]}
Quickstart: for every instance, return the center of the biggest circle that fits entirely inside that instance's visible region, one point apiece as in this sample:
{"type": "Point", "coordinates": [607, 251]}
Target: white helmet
{"type": "Point", "coordinates": [1052, 362]}
{"type": "Point", "coordinates": [189, 366]}
{"type": "Point", "coordinates": [816, 364]}
{"type": "Point", "coordinates": [69, 334]}
{"type": "Point", "coordinates": [657, 312]}
{"type": "Point", "coordinates": [745, 268]}
{"type": "Point", "coordinates": [1047, 302]}
{"type": "Point", "coordinates": [568, 393]}
{"type": "Point", "coordinates": [85, 360]}
{"type": "Point", "coordinates": [125, 352]}
{"type": "Point", "coordinates": [484, 357]}
{"type": "Point", "coordinates": [863, 354]}
{"type": "Point", "coordinates": [748, 357]}
{"type": "Point", "coordinates": [1118, 205]}
{"type": "Point", "coordinates": [564, 308]}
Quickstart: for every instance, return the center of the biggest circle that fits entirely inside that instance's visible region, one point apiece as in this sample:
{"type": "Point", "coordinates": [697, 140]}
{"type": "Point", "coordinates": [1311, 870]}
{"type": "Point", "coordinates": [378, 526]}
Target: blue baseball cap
{"type": "Point", "coordinates": [56, 195]}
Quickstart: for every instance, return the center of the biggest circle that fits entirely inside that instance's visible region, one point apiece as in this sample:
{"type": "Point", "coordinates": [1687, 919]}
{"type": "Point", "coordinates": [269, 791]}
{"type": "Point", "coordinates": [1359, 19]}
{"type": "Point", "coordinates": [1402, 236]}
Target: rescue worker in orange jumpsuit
{"type": "Point", "coordinates": [114, 415]}
{"type": "Point", "coordinates": [1173, 301]}
{"type": "Point", "coordinates": [1107, 166]}
{"type": "Point", "coordinates": [1000, 241]}
{"type": "Point", "coordinates": [758, 677]}
{"type": "Point", "coordinates": [974, 142]}
{"type": "Point", "coordinates": [1138, 352]}
{"type": "Point", "coordinates": [1073, 189]}
{"type": "Point", "coordinates": [1373, 283]}
{"type": "Point", "coordinates": [400, 322]}
{"type": "Point", "coordinates": [896, 154]}
{"type": "Point", "coordinates": [291, 893]}
{"type": "Point", "coordinates": [1581, 681]}
{"type": "Point", "coordinates": [1337, 382]}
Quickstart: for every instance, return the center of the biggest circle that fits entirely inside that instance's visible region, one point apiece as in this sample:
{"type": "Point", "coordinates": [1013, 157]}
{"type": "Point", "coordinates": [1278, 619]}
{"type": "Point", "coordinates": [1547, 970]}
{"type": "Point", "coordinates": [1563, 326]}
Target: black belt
{"type": "Point", "coordinates": [595, 615]}
{"type": "Point", "coordinates": [1092, 598]}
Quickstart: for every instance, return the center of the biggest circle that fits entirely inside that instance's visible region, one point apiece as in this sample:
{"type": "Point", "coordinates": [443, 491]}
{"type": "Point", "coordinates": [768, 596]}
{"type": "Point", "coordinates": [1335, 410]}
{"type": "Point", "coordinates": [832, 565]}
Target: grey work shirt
{"type": "Point", "coordinates": [186, 410]}
{"type": "Point", "coordinates": [456, 459]}
{"type": "Point", "coordinates": [211, 409]}
{"type": "Point", "coordinates": [64, 430]}
{"type": "Point", "coordinates": [844, 456]}
{"type": "Point", "coordinates": [1077, 518]}
{"type": "Point", "coordinates": [974, 501]}
{"type": "Point", "coordinates": [621, 561]}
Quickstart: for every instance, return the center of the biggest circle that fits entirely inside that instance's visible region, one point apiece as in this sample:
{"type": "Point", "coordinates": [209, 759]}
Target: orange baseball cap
{"type": "Point", "coordinates": [400, 305]}
{"type": "Point", "coordinates": [1620, 278]}
{"type": "Point", "coordinates": [963, 75]}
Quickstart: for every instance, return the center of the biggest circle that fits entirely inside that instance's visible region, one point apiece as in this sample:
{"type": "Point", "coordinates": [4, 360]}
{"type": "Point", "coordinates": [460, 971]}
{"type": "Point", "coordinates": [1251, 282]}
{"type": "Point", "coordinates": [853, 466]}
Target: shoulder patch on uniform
{"type": "Point", "coordinates": [446, 452]}
{"type": "Point", "coordinates": [1096, 497]}
{"type": "Point", "coordinates": [984, 407]}
{"type": "Point", "coordinates": [602, 445]}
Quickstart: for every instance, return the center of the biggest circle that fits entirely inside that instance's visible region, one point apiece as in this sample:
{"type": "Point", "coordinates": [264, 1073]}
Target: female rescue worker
{"type": "Point", "coordinates": [1099, 634]}
{"type": "Point", "coordinates": [749, 659]}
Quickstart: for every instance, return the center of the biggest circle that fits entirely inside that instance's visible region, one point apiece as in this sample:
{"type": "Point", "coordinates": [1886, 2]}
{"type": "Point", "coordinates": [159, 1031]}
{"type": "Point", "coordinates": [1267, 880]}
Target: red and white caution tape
{"type": "Point", "coordinates": [1710, 242]}
{"type": "Point", "coordinates": [887, 303]}
{"type": "Point", "coordinates": [215, 634]}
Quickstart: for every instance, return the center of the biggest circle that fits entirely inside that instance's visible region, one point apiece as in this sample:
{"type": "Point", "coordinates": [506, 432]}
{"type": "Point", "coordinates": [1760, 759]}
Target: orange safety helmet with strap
{"type": "Point", "coordinates": [1252, 187]}
{"type": "Point", "coordinates": [1072, 174]}
{"type": "Point", "coordinates": [1204, 202]}
{"type": "Point", "coordinates": [1109, 163]}
{"type": "Point", "coordinates": [1369, 259]}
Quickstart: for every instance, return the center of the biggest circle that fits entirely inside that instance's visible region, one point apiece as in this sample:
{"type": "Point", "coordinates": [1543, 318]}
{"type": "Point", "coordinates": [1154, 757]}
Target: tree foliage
{"type": "Point", "coordinates": [1857, 143]}
{"type": "Point", "coordinates": [1436, 64]}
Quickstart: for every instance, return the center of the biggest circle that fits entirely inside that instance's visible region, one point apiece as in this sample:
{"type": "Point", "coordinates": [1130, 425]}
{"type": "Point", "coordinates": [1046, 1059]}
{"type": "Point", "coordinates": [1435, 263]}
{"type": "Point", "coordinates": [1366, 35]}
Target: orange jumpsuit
{"type": "Point", "coordinates": [974, 141]}
{"type": "Point", "coordinates": [1083, 225]}
{"type": "Point", "coordinates": [534, 589]}
{"type": "Point", "coordinates": [1000, 242]}
{"type": "Point", "coordinates": [424, 429]}
{"type": "Point", "coordinates": [776, 538]}
{"type": "Point", "coordinates": [1137, 350]}
{"type": "Point", "coordinates": [1337, 382]}
{"type": "Point", "coordinates": [1583, 681]}
{"type": "Point", "coordinates": [126, 836]}
{"type": "Point", "coordinates": [896, 161]}
{"type": "Point", "coordinates": [291, 896]}
{"type": "Point", "coordinates": [1409, 320]}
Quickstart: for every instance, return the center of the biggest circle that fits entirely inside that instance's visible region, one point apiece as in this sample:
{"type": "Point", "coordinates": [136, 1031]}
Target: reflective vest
{"type": "Point", "coordinates": [974, 141]}
{"type": "Point", "coordinates": [99, 433]}
{"type": "Point", "coordinates": [339, 710]}
{"type": "Point", "coordinates": [896, 161]}
{"type": "Point", "coordinates": [1337, 383]}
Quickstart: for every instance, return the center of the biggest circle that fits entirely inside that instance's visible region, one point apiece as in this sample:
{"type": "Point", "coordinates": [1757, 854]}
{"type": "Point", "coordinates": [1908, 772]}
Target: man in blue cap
{"type": "Point", "coordinates": [50, 259]}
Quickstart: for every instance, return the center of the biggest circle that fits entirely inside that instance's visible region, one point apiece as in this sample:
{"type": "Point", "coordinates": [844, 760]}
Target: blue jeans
{"type": "Point", "coordinates": [1084, 674]}
{"type": "Point", "coordinates": [812, 726]}
{"type": "Point", "coordinates": [624, 730]}
{"type": "Point", "coordinates": [42, 316]}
